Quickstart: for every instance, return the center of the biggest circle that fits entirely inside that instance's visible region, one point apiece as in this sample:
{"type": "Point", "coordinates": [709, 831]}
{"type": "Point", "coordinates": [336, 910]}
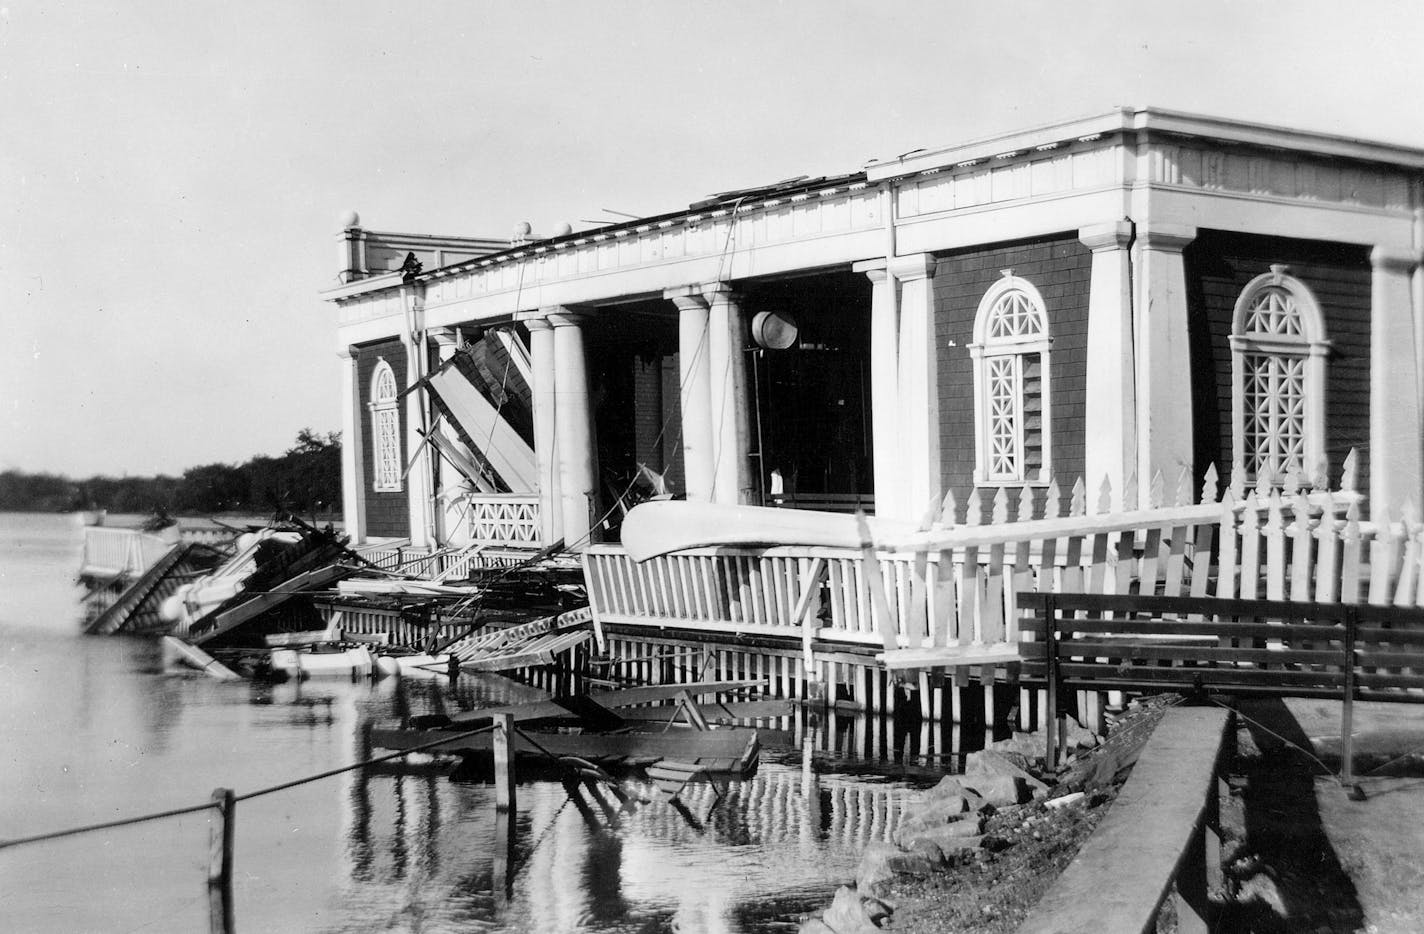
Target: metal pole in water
{"type": "Point", "coordinates": [220, 909]}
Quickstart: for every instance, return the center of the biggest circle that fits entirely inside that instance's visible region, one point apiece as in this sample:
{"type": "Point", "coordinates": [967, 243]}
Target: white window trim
{"type": "Point", "coordinates": [980, 351]}
{"type": "Point", "coordinates": [380, 409]}
{"type": "Point", "coordinates": [1312, 347]}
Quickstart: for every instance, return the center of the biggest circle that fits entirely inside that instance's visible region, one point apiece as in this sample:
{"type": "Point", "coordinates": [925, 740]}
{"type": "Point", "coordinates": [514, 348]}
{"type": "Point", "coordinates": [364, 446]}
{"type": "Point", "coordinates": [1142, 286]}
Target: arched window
{"type": "Point", "coordinates": [1010, 353]}
{"type": "Point", "coordinates": [1278, 351]}
{"type": "Point", "coordinates": [385, 430]}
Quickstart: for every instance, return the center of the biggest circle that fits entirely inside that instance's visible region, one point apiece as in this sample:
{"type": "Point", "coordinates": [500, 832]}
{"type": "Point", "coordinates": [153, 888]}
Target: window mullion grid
{"type": "Point", "coordinates": [1019, 428]}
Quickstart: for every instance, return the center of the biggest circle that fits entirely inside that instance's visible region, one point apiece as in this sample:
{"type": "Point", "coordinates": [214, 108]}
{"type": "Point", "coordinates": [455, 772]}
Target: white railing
{"type": "Point", "coordinates": [503, 518]}
{"type": "Point", "coordinates": [115, 552]}
{"type": "Point", "coordinates": [957, 587]}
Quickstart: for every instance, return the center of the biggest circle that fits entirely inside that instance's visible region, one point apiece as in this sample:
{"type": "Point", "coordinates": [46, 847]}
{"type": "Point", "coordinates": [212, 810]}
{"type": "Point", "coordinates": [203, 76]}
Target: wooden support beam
{"type": "Point", "coordinates": [504, 762]}
{"type": "Point", "coordinates": [694, 714]}
{"type": "Point", "coordinates": [220, 841]}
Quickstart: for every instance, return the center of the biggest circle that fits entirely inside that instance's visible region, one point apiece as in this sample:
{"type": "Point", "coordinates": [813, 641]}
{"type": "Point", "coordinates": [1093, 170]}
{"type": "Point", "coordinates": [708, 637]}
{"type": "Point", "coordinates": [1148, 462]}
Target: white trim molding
{"type": "Point", "coordinates": [1010, 329]}
{"type": "Point", "coordinates": [1278, 354]}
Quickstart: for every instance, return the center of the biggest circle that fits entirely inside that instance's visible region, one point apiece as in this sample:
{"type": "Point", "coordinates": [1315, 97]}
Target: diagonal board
{"type": "Point", "coordinates": [510, 456]}
{"type": "Point", "coordinates": [260, 603]}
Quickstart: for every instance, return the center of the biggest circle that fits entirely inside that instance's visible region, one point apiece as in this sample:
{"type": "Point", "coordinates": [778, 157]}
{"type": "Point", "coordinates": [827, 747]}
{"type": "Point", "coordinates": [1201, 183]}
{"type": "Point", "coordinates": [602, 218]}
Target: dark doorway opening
{"type": "Point", "coordinates": [811, 401]}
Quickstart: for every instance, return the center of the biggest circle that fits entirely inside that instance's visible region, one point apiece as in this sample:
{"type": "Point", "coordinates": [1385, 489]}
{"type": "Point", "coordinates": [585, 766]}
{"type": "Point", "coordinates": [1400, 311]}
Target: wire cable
{"type": "Point", "coordinates": [208, 805]}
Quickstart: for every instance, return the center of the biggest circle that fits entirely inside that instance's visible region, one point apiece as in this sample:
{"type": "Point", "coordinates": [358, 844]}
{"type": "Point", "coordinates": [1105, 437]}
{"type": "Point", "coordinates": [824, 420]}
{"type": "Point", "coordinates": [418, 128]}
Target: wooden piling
{"type": "Point", "coordinates": [502, 882]}
{"type": "Point", "coordinates": [220, 908]}
{"type": "Point", "coordinates": [504, 762]}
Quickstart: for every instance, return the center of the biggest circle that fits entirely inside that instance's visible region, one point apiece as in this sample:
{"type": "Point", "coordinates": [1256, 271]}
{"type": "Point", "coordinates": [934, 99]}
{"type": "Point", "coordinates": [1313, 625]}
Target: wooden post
{"type": "Point", "coordinates": [502, 883]}
{"type": "Point", "coordinates": [504, 762]}
{"type": "Point", "coordinates": [1050, 640]}
{"type": "Point", "coordinates": [694, 713]}
{"type": "Point", "coordinates": [1347, 716]}
{"type": "Point", "coordinates": [220, 913]}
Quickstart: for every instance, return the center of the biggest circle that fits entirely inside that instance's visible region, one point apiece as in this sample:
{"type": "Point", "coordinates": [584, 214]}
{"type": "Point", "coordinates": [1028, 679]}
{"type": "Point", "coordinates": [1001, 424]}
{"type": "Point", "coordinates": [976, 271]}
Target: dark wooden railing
{"type": "Point", "coordinates": [1347, 651]}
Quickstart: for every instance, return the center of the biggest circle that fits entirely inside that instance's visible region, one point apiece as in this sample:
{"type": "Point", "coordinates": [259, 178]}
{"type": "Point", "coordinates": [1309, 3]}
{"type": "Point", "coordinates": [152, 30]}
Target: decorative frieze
{"type": "Point", "coordinates": [1051, 169]}
{"type": "Point", "coordinates": [369, 307]}
{"type": "Point", "coordinates": [1278, 175]}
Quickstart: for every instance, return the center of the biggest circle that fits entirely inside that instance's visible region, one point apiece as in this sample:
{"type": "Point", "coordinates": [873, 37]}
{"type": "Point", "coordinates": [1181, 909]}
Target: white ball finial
{"type": "Point", "coordinates": [564, 229]}
{"type": "Point", "coordinates": [350, 219]}
{"type": "Point", "coordinates": [521, 230]}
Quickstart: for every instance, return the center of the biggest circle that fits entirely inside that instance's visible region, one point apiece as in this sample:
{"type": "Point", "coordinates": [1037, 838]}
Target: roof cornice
{"type": "Point", "coordinates": [362, 286]}
{"type": "Point", "coordinates": [1147, 120]}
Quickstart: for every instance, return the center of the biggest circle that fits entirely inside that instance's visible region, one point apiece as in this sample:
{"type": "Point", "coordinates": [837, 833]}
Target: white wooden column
{"type": "Point", "coordinates": [918, 441]}
{"type": "Point", "coordinates": [418, 486]}
{"type": "Point", "coordinates": [1164, 366]}
{"type": "Point", "coordinates": [353, 448]}
{"type": "Point", "coordinates": [695, 395]}
{"type": "Point", "coordinates": [546, 437]}
{"type": "Point", "coordinates": [1110, 429]}
{"type": "Point", "coordinates": [732, 479]}
{"type": "Point", "coordinates": [1396, 439]}
{"type": "Point", "coordinates": [573, 416]}
{"type": "Point", "coordinates": [884, 385]}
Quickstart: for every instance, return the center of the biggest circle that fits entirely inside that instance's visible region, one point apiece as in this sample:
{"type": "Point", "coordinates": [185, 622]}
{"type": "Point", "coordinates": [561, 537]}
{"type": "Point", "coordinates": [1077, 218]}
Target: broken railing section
{"type": "Point", "coordinates": [117, 552]}
{"type": "Point", "coordinates": [950, 592]}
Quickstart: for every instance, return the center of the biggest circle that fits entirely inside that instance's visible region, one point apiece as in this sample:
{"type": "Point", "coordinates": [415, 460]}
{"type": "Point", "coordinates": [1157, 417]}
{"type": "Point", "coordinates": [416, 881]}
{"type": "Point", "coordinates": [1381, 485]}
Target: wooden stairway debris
{"type": "Point", "coordinates": [136, 609]}
{"type": "Point", "coordinates": [523, 646]}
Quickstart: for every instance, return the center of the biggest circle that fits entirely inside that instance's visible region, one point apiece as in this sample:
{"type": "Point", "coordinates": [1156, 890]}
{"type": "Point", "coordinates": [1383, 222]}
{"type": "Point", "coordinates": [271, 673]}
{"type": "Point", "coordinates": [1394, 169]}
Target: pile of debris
{"type": "Point", "coordinates": [290, 600]}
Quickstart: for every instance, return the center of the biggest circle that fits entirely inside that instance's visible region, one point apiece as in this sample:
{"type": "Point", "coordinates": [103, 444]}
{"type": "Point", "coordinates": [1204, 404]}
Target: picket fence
{"type": "Point", "coordinates": [953, 593]}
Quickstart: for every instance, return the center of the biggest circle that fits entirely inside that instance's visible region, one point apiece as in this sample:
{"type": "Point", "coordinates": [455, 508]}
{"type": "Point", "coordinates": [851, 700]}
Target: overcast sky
{"type": "Point", "coordinates": [172, 173]}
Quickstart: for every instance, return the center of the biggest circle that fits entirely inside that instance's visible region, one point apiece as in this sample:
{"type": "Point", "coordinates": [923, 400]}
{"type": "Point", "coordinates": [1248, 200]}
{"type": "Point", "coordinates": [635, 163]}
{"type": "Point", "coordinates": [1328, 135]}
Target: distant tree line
{"type": "Point", "coordinates": [305, 480]}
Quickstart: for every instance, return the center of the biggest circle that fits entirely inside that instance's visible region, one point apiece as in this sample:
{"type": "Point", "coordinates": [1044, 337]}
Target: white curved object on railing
{"type": "Point", "coordinates": [663, 526]}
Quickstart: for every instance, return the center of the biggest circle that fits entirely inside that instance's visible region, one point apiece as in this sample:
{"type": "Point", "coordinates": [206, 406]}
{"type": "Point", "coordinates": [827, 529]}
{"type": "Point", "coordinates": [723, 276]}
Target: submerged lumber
{"type": "Point", "coordinates": [176, 650]}
{"type": "Point", "coordinates": [682, 744]}
{"type": "Point", "coordinates": [612, 700]}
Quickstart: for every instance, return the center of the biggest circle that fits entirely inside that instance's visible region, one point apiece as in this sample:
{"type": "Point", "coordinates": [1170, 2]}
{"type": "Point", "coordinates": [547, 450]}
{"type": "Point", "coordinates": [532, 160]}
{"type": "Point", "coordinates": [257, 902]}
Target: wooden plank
{"type": "Point", "coordinates": [1205, 628]}
{"type": "Point", "coordinates": [1382, 659]}
{"type": "Point", "coordinates": [681, 744]}
{"type": "Point", "coordinates": [1220, 679]}
{"type": "Point", "coordinates": [1161, 606]}
{"type": "Point", "coordinates": [1124, 872]}
{"type": "Point", "coordinates": [1380, 635]}
{"type": "Point", "coordinates": [177, 650]}
{"type": "Point", "coordinates": [280, 593]}
{"type": "Point", "coordinates": [950, 656]}
{"type": "Point", "coordinates": [368, 638]}
{"type": "Point", "coordinates": [1206, 652]}
{"type": "Point", "coordinates": [279, 640]}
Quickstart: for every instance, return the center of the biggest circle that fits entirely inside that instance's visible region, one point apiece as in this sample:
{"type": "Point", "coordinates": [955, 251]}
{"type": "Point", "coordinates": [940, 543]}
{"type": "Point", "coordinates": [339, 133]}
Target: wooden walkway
{"type": "Point", "coordinates": [1159, 840]}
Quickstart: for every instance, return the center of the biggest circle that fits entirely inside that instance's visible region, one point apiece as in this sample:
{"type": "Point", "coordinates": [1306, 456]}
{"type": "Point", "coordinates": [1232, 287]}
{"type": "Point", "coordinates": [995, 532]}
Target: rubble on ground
{"type": "Point", "coordinates": [977, 850]}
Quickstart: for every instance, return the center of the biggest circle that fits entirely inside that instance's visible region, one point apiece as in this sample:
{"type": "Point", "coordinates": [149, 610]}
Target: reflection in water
{"type": "Point", "coordinates": [571, 858]}
{"type": "Point", "coordinates": [398, 846]}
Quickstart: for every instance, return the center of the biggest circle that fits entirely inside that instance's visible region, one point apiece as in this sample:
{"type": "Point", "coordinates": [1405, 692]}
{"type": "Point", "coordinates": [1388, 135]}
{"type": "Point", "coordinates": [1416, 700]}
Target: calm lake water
{"type": "Point", "coordinates": [92, 729]}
